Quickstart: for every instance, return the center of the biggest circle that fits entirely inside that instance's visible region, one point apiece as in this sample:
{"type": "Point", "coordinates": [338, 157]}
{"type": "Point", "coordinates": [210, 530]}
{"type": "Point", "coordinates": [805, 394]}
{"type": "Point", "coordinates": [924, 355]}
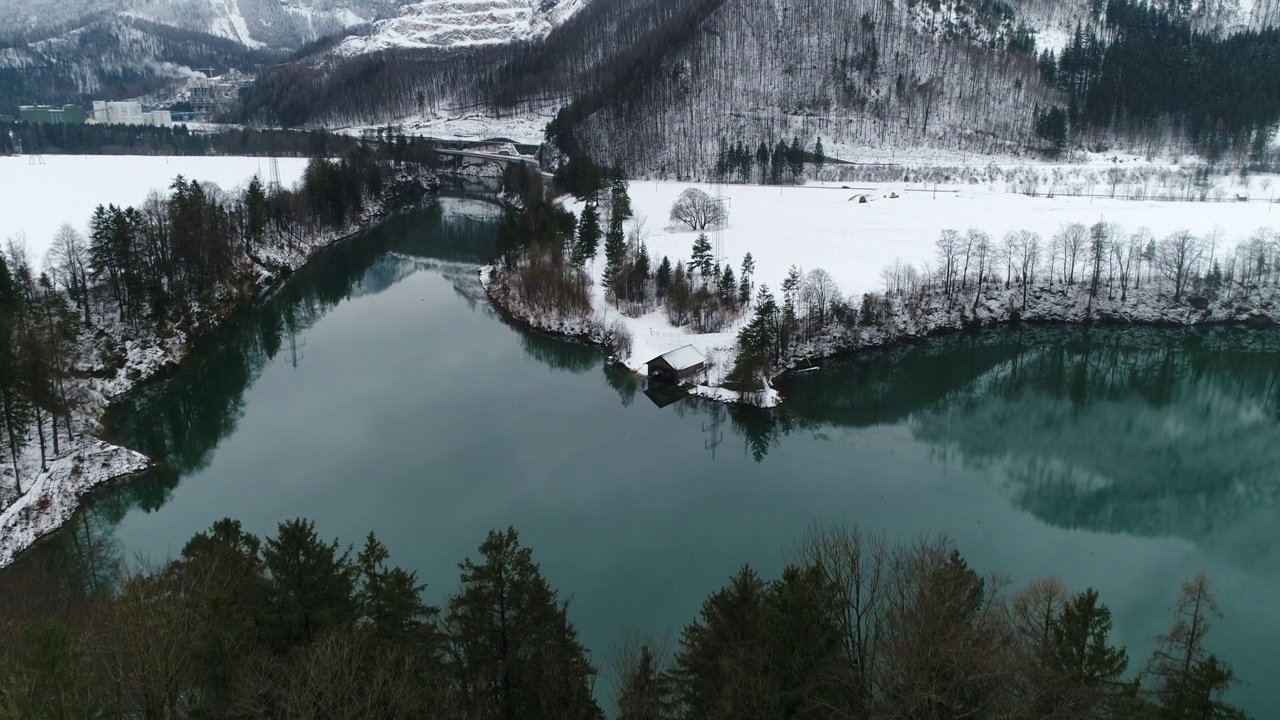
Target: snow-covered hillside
{"type": "Point", "coordinates": [461, 23]}
{"type": "Point", "coordinates": [274, 24]}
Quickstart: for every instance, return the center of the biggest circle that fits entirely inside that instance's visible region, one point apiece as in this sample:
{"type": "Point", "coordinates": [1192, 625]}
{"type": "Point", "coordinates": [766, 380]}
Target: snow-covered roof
{"type": "Point", "coordinates": [683, 358]}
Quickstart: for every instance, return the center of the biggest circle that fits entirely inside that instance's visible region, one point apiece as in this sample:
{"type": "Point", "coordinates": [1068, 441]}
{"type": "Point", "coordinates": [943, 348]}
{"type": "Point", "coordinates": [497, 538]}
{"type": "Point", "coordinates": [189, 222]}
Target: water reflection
{"type": "Point", "coordinates": [179, 421]}
{"type": "Point", "coordinates": [1142, 431]}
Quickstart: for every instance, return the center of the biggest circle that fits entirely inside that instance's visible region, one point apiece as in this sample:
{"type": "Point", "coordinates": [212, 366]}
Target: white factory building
{"type": "Point", "coordinates": [129, 113]}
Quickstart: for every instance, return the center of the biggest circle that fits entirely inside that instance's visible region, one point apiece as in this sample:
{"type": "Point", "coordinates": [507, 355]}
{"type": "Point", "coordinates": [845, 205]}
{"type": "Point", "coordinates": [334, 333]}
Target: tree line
{"type": "Point", "coordinates": [1150, 67]}
{"type": "Point", "coordinates": [169, 267]}
{"type": "Point", "coordinates": [85, 139]}
{"type": "Point", "coordinates": [854, 626]}
{"type": "Point", "coordinates": [1088, 266]}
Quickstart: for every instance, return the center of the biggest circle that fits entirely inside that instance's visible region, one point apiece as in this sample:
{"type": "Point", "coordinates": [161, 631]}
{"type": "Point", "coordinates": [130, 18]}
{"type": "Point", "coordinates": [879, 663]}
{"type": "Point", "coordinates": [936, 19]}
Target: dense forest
{"type": "Point", "coordinates": [64, 139]}
{"type": "Point", "coordinates": [656, 86]}
{"type": "Point", "coordinates": [853, 627]}
{"type": "Point", "coordinates": [1145, 71]}
{"type": "Point", "coordinates": [167, 268]}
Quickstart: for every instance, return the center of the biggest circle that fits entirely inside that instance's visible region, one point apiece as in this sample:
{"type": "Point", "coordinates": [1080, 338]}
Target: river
{"type": "Point", "coordinates": [377, 390]}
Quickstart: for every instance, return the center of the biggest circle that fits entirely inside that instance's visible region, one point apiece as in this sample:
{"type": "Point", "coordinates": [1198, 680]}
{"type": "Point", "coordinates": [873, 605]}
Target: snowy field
{"type": "Point", "coordinates": [824, 226]}
{"type": "Point", "coordinates": [35, 199]}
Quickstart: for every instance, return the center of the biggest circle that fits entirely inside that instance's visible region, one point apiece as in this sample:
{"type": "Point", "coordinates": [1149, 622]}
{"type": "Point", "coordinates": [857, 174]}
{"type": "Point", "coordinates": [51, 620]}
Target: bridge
{"type": "Point", "coordinates": [502, 158]}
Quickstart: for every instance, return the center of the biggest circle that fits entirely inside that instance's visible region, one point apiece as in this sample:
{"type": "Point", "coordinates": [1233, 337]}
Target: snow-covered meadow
{"type": "Point", "coordinates": [37, 195]}
{"type": "Point", "coordinates": [825, 226]}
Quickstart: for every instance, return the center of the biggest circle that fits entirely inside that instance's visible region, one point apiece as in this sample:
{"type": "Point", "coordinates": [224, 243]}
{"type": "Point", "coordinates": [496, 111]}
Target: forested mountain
{"type": "Point", "coordinates": [658, 85]}
{"type": "Point", "coordinates": [273, 24]}
{"type": "Point", "coordinates": [110, 57]}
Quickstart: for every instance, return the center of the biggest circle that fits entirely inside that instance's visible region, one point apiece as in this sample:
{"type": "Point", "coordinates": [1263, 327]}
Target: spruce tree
{"type": "Point", "coordinates": [703, 256]}
{"type": "Point", "coordinates": [819, 155]}
{"type": "Point", "coordinates": [615, 257]}
{"type": "Point", "coordinates": [728, 286]}
{"type": "Point", "coordinates": [722, 662]}
{"type": "Point", "coordinates": [588, 236]}
{"type": "Point", "coordinates": [795, 157]}
{"type": "Point", "coordinates": [1079, 636]}
{"type": "Point", "coordinates": [619, 199]}
{"type": "Point", "coordinates": [312, 585]}
{"type": "Point", "coordinates": [662, 278]}
{"type": "Point", "coordinates": [762, 161]}
{"type": "Point", "coordinates": [514, 651]}
{"type": "Point", "coordinates": [390, 599]}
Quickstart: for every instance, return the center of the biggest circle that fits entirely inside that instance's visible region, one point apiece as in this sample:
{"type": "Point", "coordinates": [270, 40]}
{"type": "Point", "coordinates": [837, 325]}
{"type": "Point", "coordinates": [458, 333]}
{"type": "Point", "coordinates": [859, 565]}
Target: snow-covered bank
{"type": "Point", "coordinates": [52, 497]}
{"type": "Point", "coordinates": [38, 194]}
{"type": "Point", "coordinates": [39, 497]}
{"type": "Point", "coordinates": [830, 228]}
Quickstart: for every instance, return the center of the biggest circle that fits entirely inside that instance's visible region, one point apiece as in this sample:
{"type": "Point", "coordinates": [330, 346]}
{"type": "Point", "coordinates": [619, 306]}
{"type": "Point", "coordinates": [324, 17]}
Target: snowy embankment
{"type": "Point", "coordinates": [32, 207]}
{"type": "Point", "coordinates": [827, 227]}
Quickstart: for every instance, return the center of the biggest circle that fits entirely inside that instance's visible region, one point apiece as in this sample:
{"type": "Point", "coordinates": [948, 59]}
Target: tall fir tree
{"type": "Point", "coordinates": [513, 649]}
{"type": "Point", "coordinates": [615, 257]}
{"type": "Point", "coordinates": [587, 241]}
{"type": "Point", "coordinates": [703, 256]}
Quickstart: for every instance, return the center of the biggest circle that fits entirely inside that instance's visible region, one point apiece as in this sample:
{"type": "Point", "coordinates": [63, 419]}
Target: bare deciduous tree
{"type": "Point", "coordinates": [698, 210]}
{"type": "Point", "coordinates": [1177, 257]}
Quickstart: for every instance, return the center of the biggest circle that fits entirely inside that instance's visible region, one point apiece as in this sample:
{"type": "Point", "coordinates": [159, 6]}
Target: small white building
{"type": "Point", "coordinates": [129, 113]}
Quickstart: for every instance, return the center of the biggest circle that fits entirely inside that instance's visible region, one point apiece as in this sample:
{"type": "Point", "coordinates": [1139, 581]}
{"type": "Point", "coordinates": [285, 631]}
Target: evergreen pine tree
{"type": "Point", "coordinates": [588, 236]}
{"type": "Point", "coordinates": [819, 155]}
{"type": "Point", "coordinates": [703, 256]}
{"type": "Point", "coordinates": [312, 585]}
{"type": "Point", "coordinates": [762, 161]}
{"type": "Point", "coordinates": [619, 199]}
{"type": "Point", "coordinates": [728, 286]}
{"type": "Point", "coordinates": [662, 278]}
{"type": "Point", "coordinates": [390, 599]}
{"type": "Point", "coordinates": [721, 665]}
{"type": "Point", "coordinates": [615, 257]}
{"type": "Point", "coordinates": [514, 651]}
{"type": "Point", "coordinates": [1080, 644]}
{"type": "Point", "coordinates": [795, 157]}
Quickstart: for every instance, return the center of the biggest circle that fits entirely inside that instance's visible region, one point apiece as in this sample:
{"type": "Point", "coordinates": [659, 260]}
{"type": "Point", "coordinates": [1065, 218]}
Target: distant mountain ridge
{"type": "Point", "coordinates": [112, 57]}
{"type": "Point", "coordinates": [278, 25]}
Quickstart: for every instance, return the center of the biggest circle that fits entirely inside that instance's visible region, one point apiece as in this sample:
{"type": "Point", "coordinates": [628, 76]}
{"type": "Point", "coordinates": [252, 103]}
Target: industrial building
{"type": "Point", "coordinates": [129, 113]}
{"type": "Point", "coordinates": [47, 114]}
{"type": "Point", "coordinates": [210, 97]}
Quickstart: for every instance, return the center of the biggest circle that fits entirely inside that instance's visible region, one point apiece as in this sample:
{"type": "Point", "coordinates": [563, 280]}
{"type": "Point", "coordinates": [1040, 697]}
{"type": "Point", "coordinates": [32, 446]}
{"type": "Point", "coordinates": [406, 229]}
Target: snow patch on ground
{"type": "Point", "coordinates": [53, 496]}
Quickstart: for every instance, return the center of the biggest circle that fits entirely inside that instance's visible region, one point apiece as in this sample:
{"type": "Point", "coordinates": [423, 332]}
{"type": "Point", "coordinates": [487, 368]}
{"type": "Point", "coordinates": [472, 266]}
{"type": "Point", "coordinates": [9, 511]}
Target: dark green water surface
{"type": "Point", "coordinates": [376, 390]}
